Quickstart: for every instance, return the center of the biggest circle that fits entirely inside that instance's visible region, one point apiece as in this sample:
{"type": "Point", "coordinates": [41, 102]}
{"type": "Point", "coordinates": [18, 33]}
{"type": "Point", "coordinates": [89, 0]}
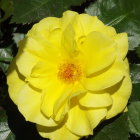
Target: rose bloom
{"type": "Point", "coordinates": [70, 74]}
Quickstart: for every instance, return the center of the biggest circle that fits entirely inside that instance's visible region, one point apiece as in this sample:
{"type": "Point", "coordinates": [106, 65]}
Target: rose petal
{"type": "Point", "coordinates": [50, 23]}
{"type": "Point", "coordinates": [108, 30]}
{"type": "Point", "coordinates": [82, 122]}
{"type": "Point", "coordinates": [56, 133]}
{"type": "Point", "coordinates": [51, 95]}
{"type": "Point", "coordinates": [85, 24]}
{"type": "Point", "coordinates": [106, 79]}
{"type": "Point", "coordinates": [120, 97]}
{"type": "Point", "coordinates": [16, 82]}
{"type": "Point", "coordinates": [43, 74]}
{"type": "Point", "coordinates": [96, 100]}
{"type": "Point", "coordinates": [26, 62]}
{"type": "Point", "coordinates": [63, 104]}
{"type": "Point", "coordinates": [98, 52]}
{"type": "Point", "coordinates": [68, 42]}
{"type": "Point", "coordinates": [29, 102]}
{"type": "Point", "coordinates": [68, 18]}
{"type": "Point", "coordinates": [122, 44]}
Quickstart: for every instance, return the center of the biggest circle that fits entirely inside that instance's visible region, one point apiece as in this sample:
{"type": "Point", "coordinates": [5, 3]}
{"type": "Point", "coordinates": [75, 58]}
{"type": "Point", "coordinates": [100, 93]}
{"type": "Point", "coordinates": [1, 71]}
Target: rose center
{"type": "Point", "coordinates": [69, 73]}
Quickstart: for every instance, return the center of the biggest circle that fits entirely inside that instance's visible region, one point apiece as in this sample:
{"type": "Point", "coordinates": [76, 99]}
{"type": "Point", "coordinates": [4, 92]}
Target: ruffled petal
{"type": "Point", "coordinates": [51, 95]}
{"type": "Point", "coordinates": [29, 102]}
{"type": "Point", "coordinates": [95, 116]}
{"type": "Point", "coordinates": [56, 133]}
{"type": "Point", "coordinates": [61, 111]}
{"type": "Point", "coordinates": [43, 74]}
{"type": "Point", "coordinates": [81, 121]}
{"type": "Point", "coordinates": [49, 23]}
{"type": "Point", "coordinates": [63, 104]}
{"type": "Point", "coordinates": [68, 41]}
{"type": "Point", "coordinates": [85, 24]}
{"type": "Point", "coordinates": [68, 18]}
{"type": "Point", "coordinates": [103, 80]}
{"type": "Point", "coordinates": [44, 69]}
{"type": "Point", "coordinates": [40, 47]}
{"type": "Point", "coordinates": [48, 38]}
{"type": "Point", "coordinates": [15, 80]}
{"type": "Point", "coordinates": [35, 52]}
{"type": "Point", "coordinates": [98, 52]}
{"type": "Point", "coordinates": [78, 122]}
{"type": "Point", "coordinates": [48, 29]}
{"type": "Point", "coordinates": [26, 62]}
{"type": "Point", "coordinates": [120, 97]}
{"type": "Point", "coordinates": [55, 37]}
{"type": "Point", "coordinates": [95, 100]}
{"type": "Point", "coordinates": [108, 30]}
{"type": "Point", "coordinates": [122, 44]}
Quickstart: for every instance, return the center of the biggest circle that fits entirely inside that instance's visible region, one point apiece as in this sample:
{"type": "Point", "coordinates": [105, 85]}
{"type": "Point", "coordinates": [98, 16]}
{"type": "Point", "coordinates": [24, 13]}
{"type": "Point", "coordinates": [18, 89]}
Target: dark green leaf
{"type": "Point", "coordinates": [3, 89]}
{"type": "Point", "coordinates": [138, 51]}
{"type": "Point", "coordinates": [124, 15]}
{"type": "Point", "coordinates": [116, 130]}
{"type": "Point", "coordinates": [5, 58]}
{"type": "Point", "coordinates": [135, 96]}
{"type": "Point", "coordinates": [134, 117]}
{"type": "Point", "coordinates": [1, 34]}
{"type": "Point", "coordinates": [7, 7]}
{"type": "Point", "coordinates": [18, 37]}
{"type": "Point", "coordinates": [26, 11]}
{"type": "Point", "coordinates": [135, 73]}
{"type": "Point", "coordinates": [4, 66]}
{"type": "Point", "coordinates": [5, 54]}
{"type": "Point", "coordinates": [135, 77]}
{"type": "Point", "coordinates": [5, 132]}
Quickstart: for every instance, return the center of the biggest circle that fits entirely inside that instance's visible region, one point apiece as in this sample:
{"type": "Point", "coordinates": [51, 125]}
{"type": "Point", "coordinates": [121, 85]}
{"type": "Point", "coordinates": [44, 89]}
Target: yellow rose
{"type": "Point", "coordinates": [70, 73]}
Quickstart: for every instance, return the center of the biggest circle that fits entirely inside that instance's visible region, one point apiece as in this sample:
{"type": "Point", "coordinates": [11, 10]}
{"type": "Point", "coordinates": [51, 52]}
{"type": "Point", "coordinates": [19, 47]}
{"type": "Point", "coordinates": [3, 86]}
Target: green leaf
{"type": "Point", "coordinates": [7, 7]}
{"type": "Point", "coordinates": [135, 73]}
{"type": "Point", "coordinates": [27, 11]}
{"type": "Point", "coordinates": [5, 58]}
{"type": "Point", "coordinates": [134, 117]}
{"type": "Point", "coordinates": [138, 51]}
{"type": "Point", "coordinates": [5, 54]}
{"type": "Point", "coordinates": [1, 34]}
{"type": "Point", "coordinates": [135, 96]}
{"type": "Point", "coordinates": [18, 37]}
{"type": "Point", "coordinates": [3, 90]}
{"type": "Point", "coordinates": [124, 15]}
{"type": "Point", "coordinates": [116, 130]}
{"type": "Point", "coordinates": [5, 132]}
{"type": "Point", "coordinates": [4, 66]}
{"type": "Point", "coordinates": [135, 77]}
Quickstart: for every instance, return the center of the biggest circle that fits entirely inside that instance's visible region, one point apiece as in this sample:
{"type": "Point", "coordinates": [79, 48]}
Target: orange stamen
{"type": "Point", "coordinates": [69, 73]}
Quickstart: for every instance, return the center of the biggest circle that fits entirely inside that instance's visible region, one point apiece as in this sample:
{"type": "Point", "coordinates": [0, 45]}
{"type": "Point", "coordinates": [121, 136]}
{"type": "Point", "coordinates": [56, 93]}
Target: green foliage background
{"type": "Point", "coordinates": [18, 16]}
